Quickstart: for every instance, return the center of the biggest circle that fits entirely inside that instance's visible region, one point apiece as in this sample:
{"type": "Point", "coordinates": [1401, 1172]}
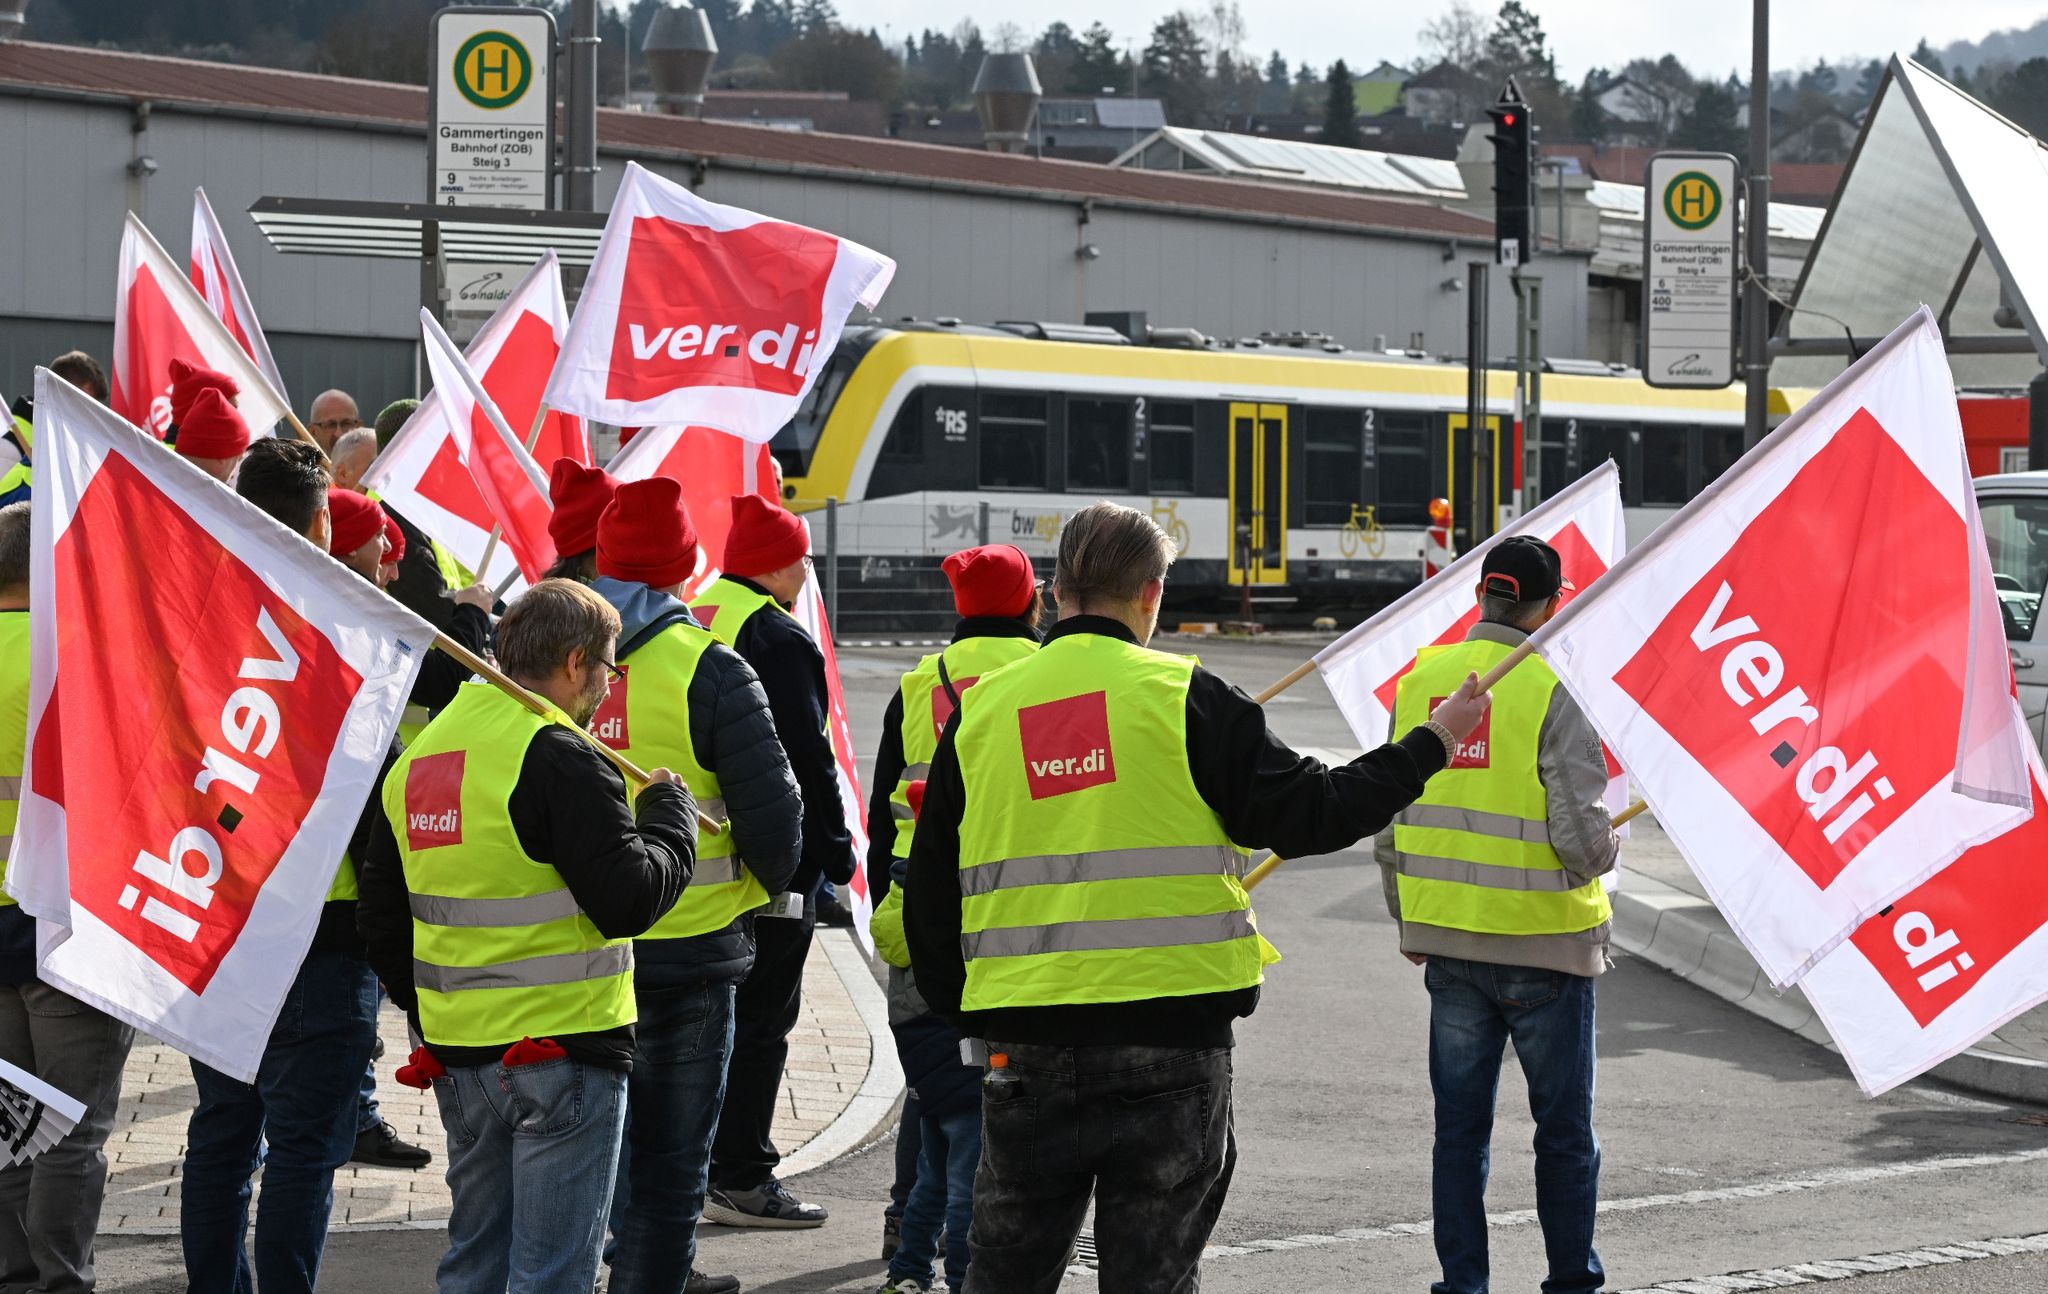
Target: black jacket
{"type": "Point", "coordinates": [734, 737]}
{"type": "Point", "coordinates": [889, 758]}
{"type": "Point", "coordinates": [792, 673]}
{"type": "Point", "coordinates": [569, 811]}
{"type": "Point", "coordinates": [441, 675]}
{"type": "Point", "coordinates": [337, 932]}
{"type": "Point", "coordinates": [419, 584]}
{"type": "Point", "coordinates": [1267, 796]}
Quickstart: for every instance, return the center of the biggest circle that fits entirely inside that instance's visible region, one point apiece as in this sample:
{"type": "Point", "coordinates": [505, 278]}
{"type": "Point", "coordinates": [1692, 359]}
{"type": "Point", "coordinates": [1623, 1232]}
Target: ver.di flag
{"type": "Point", "coordinates": [420, 473]}
{"type": "Point", "coordinates": [158, 317]}
{"type": "Point", "coordinates": [711, 466]}
{"type": "Point", "coordinates": [511, 483]}
{"type": "Point", "coordinates": [1946, 963]}
{"type": "Point", "coordinates": [1805, 670]}
{"type": "Point", "coordinates": [1582, 522]}
{"type": "Point", "coordinates": [214, 696]}
{"type": "Point", "coordinates": [214, 274]}
{"type": "Point", "coordinates": [696, 314]}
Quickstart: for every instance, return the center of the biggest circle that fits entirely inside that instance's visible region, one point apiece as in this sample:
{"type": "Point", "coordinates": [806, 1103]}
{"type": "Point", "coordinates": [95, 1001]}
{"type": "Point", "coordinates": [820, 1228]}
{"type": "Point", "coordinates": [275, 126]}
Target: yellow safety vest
{"type": "Point", "coordinates": [13, 729]}
{"type": "Point", "coordinates": [501, 950]}
{"type": "Point", "coordinates": [926, 707]}
{"type": "Point", "coordinates": [724, 607]}
{"type": "Point", "coordinates": [1475, 850]}
{"type": "Point", "coordinates": [1091, 870]}
{"type": "Point", "coordinates": [647, 719]}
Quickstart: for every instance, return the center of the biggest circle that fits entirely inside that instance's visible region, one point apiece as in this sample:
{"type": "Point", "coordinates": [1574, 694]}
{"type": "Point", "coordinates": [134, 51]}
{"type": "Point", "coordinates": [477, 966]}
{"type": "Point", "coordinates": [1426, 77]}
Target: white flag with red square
{"type": "Point", "coordinates": [214, 274]}
{"type": "Point", "coordinates": [215, 696]}
{"type": "Point", "coordinates": [1805, 669]}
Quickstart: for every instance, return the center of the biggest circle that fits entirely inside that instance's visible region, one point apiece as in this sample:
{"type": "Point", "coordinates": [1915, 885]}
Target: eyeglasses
{"type": "Point", "coordinates": [618, 672]}
{"type": "Point", "coordinates": [339, 425]}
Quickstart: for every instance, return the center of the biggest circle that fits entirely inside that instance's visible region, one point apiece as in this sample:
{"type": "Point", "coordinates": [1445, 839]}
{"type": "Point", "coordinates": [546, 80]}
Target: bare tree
{"type": "Point", "coordinates": [1008, 38]}
{"type": "Point", "coordinates": [1457, 36]}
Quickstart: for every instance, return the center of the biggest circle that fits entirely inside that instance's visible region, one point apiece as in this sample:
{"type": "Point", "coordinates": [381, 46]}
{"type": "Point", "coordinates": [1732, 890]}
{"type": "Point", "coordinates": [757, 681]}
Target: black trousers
{"type": "Point", "coordinates": [1147, 1129]}
{"type": "Point", "coordinates": [743, 1155]}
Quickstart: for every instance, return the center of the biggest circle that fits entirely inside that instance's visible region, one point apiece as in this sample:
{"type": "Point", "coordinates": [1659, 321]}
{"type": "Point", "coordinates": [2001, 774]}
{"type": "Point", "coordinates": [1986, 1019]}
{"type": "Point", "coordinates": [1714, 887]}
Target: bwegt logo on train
{"type": "Point", "coordinates": [1066, 745]}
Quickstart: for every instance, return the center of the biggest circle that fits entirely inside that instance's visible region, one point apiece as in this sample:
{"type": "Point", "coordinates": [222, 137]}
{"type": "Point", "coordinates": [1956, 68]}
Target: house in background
{"type": "Point", "coordinates": [1445, 95]}
{"type": "Point", "coordinates": [1379, 91]}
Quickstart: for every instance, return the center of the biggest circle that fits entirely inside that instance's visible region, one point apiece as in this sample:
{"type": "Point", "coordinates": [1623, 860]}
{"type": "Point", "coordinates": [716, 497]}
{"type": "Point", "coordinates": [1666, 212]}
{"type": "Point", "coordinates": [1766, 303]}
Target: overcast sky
{"type": "Point", "coordinates": [1710, 36]}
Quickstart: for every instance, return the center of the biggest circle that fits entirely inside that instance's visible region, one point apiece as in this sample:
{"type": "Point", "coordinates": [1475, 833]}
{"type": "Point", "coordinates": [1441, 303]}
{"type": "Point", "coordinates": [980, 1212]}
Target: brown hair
{"type": "Point", "coordinates": [550, 620]}
{"type": "Point", "coordinates": [83, 372]}
{"type": "Point", "coordinates": [14, 546]}
{"type": "Point", "coordinates": [1109, 552]}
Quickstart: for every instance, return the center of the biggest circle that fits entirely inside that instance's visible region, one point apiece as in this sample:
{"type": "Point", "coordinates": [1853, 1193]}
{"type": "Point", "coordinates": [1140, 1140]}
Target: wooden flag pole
{"type": "Point", "coordinates": [299, 429]}
{"type": "Point", "coordinates": [491, 673]}
{"type": "Point", "coordinates": [1295, 675]}
{"type": "Point", "coordinates": [540, 415]}
{"type": "Point", "coordinates": [1307, 667]}
{"type": "Point", "coordinates": [1272, 864]}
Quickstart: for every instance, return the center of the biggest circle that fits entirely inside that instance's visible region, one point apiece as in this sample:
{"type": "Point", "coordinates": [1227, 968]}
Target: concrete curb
{"type": "Point", "coordinates": [1685, 935]}
{"type": "Point", "coordinates": [873, 1107]}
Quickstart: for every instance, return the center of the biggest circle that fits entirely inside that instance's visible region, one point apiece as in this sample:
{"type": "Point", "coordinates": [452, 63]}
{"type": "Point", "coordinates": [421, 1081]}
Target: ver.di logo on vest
{"type": "Point", "coordinates": [1066, 745]}
{"type": "Point", "coordinates": [1476, 751]}
{"type": "Point", "coordinates": [608, 725]}
{"type": "Point", "coordinates": [433, 801]}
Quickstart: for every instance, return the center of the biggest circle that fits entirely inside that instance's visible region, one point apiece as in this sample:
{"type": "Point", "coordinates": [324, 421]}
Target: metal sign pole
{"type": "Point", "coordinates": [1478, 524]}
{"type": "Point", "coordinates": [1756, 330]}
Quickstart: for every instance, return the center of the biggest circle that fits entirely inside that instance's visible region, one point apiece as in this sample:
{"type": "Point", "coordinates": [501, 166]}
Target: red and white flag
{"type": "Point", "coordinates": [216, 696]}
{"type": "Point", "coordinates": [1805, 669]}
{"type": "Point", "coordinates": [1948, 962]}
{"type": "Point", "coordinates": [695, 314]}
{"type": "Point", "coordinates": [711, 466]}
{"type": "Point", "coordinates": [420, 473]}
{"type": "Point", "coordinates": [1583, 523]}
{"type": "Point", "coordinates": [215, 275]}
{"type": "Point", "coordinates": [810, 613]}
{"type": "Point", "coordinates": [158, 317]}
{"type": "Point", "coordinates": [513, 487]}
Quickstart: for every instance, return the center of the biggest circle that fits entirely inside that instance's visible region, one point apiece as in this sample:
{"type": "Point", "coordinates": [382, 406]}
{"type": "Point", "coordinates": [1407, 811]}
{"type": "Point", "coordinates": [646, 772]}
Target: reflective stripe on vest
{"type": "Point", "coordinates": [1474, 852]}
{"type": "Point", "coordinates": [1091, 870]}
{"type": "Point", "coordinates": [500, 950]}
{"type": "Point", "coordinates": [926, 709]}
{"type": "Point", "coordinates": [647, 719]}
{"type": "Point", "coordinates": [14, 651]}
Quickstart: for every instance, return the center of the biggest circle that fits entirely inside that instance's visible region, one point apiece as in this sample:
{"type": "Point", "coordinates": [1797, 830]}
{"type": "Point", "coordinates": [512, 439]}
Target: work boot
{"type": "Point", "coordinates": [768, 1205]}
{"type": "Point", "coordinates": [831, 912]}
{"type": "Point", "coordinates": [699, 1283]}
{"type": "Point", "coordinates": [380, 1147]}
{"type": "Point", "coordinates": [892, 1235]}
{"type": "Point", "coordinates": [904, 1285]}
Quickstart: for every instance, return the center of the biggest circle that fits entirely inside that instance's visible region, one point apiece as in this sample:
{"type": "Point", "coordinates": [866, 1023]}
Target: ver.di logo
{"type": "Point", "coordinates": [493, 70]}
{"type": "Point", "coordinates": [1692, 200]}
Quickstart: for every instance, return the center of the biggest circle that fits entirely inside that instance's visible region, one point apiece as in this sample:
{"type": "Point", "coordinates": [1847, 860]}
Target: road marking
{"type": "Point", "coordinates": [1843, 1269]}
{"type": "Point", "coordinates": [1822, 1180]}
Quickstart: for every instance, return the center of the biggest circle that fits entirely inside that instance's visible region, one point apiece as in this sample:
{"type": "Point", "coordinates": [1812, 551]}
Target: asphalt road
{"type": "Point", "coordinates": [1730, 1146]}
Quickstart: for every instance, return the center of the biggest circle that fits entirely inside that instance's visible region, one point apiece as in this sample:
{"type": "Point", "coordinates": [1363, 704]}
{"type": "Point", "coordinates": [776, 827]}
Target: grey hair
{"type": "Point", "coordinates": [1507, 611]}
{"type": "Point", "coordinates": [351, 441]}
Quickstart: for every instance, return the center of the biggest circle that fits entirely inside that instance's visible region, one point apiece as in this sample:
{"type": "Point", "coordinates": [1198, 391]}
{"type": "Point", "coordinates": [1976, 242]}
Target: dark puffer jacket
{"type": "Point", "coordinates": [734, 737]}
{"type": "Point", "coordinates": [928, 1047]}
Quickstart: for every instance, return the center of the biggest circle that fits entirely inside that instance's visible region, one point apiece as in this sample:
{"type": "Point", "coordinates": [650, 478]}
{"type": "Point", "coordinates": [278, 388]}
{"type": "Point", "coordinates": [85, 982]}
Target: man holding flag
{"type": "Point", "coordinates": [688, 702]}
{"type": "Point", "coordinates": [1494, 875]}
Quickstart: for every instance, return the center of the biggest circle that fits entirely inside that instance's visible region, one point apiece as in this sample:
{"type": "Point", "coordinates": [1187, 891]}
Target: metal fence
{"type": "Point", "coordinates": [889, 596]}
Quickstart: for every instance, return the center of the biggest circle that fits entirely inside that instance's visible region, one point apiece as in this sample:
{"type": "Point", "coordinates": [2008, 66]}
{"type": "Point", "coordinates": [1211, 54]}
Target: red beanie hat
{"type": "Point", "coordinates": [356, 519]}
{"type": "Point", "coordinates": [580, 495]}
{"type": "Point", "coordinates": [210, 427]}
{"type": "Point", "coordinates": [187, 381]}
{"type": "Point", "coordinates": [395, 536]}
{"type": "Point", "coordinates": [992, 580]}
{"type": "Point", "coordinates": [645, 537]}
{"type": "Point", "coordinates": [764, 537]}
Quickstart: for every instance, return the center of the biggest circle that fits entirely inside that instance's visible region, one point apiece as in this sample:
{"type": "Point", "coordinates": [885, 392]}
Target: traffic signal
{"type": "Point", "coordinates": [1513, 171]}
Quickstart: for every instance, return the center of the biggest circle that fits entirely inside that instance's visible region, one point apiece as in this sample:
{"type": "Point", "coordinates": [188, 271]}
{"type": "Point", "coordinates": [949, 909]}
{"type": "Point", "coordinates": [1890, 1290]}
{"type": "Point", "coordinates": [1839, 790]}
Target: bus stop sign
{"type": "Point", "coordinates": [1689, 270]}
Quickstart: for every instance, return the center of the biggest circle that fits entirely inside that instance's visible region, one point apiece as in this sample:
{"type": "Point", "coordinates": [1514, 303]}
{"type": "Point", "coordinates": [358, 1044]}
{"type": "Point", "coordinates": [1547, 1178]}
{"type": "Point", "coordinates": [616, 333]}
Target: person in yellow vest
{"type": "Point", "coordinates": [297, 1121]}
{"type": "Point", "coordinates": [1494, 875]}
{"type": "Point", "coordinates": [1074, 899]}
{"type": "Point", "coordinates": [49, 1206]}
{"type": "Point", "coordinates": [766, 561]}
{"type": "Point", "coordinates": [687, 701]}
{"type": "Point", "coordinates": [500, 899]}
{"type": "Point", "coordinates": [996, 594]}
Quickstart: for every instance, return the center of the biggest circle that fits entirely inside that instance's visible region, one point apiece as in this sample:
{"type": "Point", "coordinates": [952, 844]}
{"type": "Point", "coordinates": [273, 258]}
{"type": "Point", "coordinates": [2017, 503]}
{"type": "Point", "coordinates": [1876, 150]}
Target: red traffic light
{"type": "Point", "coordinates": [1507, 119]}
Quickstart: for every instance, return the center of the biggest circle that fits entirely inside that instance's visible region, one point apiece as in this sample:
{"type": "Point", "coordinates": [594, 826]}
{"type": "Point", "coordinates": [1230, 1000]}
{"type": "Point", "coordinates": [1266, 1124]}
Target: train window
{"type": "Point", "coordinates": [1013, 441]}
{"type": "Point", "coordinates": [1098, 445]}
{"type": "Point", "coordinates": [793, 444]}
{"type": "Point", "coordinates": [1405, 487]}
{"type": "Point", "coordinates": [1335, 444]}
{"type": "Point", "coordinates": [906, 433]}
{"type": "Point", "coordinates": [1600, 441]}
{"type": "Point", "coordinates": [1664, 453]}
{"type": "Point", "coordinates": [2016, 534]}
{"type": "Point", "coordinates": [1719, 448]}
{"type": "Point", "coordinates": [1172, 436]}
{"type": "Point", "coordinates": [1554, 454]}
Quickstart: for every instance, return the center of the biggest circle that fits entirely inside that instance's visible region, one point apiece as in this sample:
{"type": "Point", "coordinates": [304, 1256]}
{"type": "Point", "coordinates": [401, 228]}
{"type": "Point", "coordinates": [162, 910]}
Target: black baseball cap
{"type": "Point", "coordinates": [1522, 568]}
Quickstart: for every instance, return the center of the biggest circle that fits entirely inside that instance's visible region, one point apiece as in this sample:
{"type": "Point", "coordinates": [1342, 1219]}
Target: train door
{"type": "Point", "coordinates": [1258, 493]}
{"type": "Point", "coordinates": [1474, 494]}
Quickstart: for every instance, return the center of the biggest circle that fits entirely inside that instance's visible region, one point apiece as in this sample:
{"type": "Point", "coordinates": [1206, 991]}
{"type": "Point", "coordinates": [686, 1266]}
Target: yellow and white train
{"type": "Point", "coordinates": [1301, 469]}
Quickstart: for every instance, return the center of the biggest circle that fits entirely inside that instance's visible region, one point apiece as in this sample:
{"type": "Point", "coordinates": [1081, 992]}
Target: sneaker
{"type": "Point", "coordinates": [699, 1283]}
{"type": "Point", "coordinates": [380, 1147]}
{"type": "Point", "coordinates": [904, 1285]}
{"type": "Point", "coordinates": [831, 912]}
{"type": "Point", "coordinates": [768, 1205]}
{"type": "Point", "coordinates": [892, 1235]}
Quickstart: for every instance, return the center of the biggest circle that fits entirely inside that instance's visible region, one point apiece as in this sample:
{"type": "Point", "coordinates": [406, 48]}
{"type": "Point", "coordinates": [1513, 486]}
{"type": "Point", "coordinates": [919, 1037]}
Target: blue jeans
{"type": "Point", "coordinates": [944, 1193]}
{"type": "Point", "coordinates": [368, 1116]}
{"type": "Point", "coordinates": [672, 1099]}
{"type": "Point", "coordinates": [532, 1150]}
{"type": "Point", "coordinates": [1474, 1008]}
{"type": "Point", "coordinates": [302, 1107]}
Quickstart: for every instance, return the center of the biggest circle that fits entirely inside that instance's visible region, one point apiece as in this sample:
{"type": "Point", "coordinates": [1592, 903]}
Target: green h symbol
{"type": "Point", "coordinates": [501, 69]}
{"type": "Point", "coordinates": [1692, 201]}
